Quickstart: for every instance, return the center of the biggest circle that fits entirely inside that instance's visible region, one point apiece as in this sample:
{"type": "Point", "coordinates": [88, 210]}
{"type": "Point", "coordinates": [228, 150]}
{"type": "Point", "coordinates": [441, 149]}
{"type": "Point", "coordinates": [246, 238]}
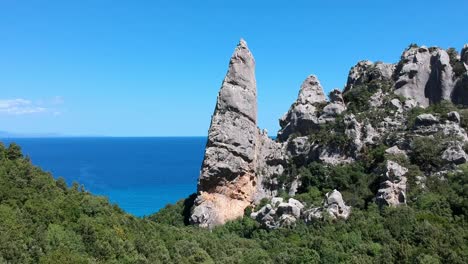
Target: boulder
{"type": "Point", "coordinates": [335, 205]}
{"type": "Point", "coordinates": [395, 151]}
{"type": "Point", "coordinates": [425, 120]}
{"type": "Point", "coordinates": [455, 154]}
{"type": "Point", "coordinates": [454, 116]}
{"type": "Point", "coordinates": [290, 209]}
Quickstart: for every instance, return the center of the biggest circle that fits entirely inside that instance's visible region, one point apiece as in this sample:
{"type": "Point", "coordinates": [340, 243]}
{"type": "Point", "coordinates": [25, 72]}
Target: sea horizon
{"type": "Point", "coordinates": [141, 178]}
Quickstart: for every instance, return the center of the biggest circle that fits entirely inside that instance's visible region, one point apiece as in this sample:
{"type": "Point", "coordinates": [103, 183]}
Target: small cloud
{"type": "Point", "coordinates": [22, 106]}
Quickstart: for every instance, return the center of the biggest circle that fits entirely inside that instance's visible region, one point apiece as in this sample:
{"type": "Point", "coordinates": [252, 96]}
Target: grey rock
{"type": "Point", "coordinates": [394, 171]}
{"type": "Point", "coordinates": [239, 157]}
{"type": "Point", "coordinates": [425, 75]}
{"type": "Point", "coordinates": [296, 203]}
{"type": "Point", "coordinates": [333, 156]}
{"type": "Point", "coordinates": [376, 100]}
{"type": "Point", "coordinates": [287, 220]}
{"type": "Point", "coordinates": [271, 161]}
{"type": "Point", "coordinates": [335, 107]}
{"type": "Point", "coordinates": [295, 184]}
{"type": "Point", "coordinates": [312, 214]}
{"type": "Point", "coordinates": [302, 115]}
{"type": "Point", "coordinates": [290, 209]}
{"type": "Point", "coordinates": [366, 71]}
{"type": "Point", "coordinates": [397, 105]}
{"type": "Point", "coordinates": [395, 151]}
{"type": "Point", "coordinates": [455, 154]}
{"type": "Point", "coordinates": [392, 191]}
{"type": "Point", "coordinates": [354, 132]}
{"type": "Point", "coordinates": [275, 201]}
{"type": "Point", "coordinates": [335, 205]}
{"type": "Point", "coordinates": [336, 96]}
{"type": "Point", "coordinates": [425, 120]}
{"type": "Point", "coordinates": [464, 54]}
{"type": "Point", "coordinates": [454, 116]}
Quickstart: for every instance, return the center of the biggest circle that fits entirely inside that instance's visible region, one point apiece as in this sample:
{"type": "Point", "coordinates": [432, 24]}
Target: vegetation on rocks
{"type": "Point", "coordinates": [44, 221]}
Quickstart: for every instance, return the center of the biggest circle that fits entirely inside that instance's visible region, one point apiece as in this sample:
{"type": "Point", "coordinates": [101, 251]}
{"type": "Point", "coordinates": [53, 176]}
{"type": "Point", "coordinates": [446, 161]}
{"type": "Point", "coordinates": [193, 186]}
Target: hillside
{"type": "Point", "coordinates": [377, 173]}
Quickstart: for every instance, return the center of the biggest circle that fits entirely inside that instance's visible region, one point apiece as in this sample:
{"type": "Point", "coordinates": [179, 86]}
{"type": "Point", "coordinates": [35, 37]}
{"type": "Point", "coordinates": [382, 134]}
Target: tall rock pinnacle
{"type": "Point", "coordinates": [227, 181]}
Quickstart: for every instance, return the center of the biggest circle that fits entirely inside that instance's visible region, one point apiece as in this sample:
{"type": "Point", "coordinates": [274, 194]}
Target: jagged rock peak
{"type": "Point", "coordinates": [425, 75]}
{"type": "Point", "coordinates": [464, 54]}
{"type": "Point", "coordinates": [239, 90]}
{"type": "Point", "coordinates": [366, 71]}
{"type": "Point", "coordinates": [302, 115]}
{"type": "Point", "coordinates": [311, 91]}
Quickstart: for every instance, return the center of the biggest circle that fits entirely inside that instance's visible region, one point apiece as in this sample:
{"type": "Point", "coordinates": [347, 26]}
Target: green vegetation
{"type": "Point", "coordinates": [44, 221]}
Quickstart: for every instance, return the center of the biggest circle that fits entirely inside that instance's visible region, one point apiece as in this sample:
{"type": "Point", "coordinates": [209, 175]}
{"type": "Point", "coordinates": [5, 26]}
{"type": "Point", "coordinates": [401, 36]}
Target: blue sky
{"type": "Point", "coordinates": [154, 68]}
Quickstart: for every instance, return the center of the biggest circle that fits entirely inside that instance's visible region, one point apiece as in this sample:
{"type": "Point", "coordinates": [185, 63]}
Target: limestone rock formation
{"type": "Point", "coordinates": [335, 107]}
{"type": "Point", "coordinates": [425, 75]}
{"type": "Point", "coordinates": [455, 154]}
{"type": "Point", "coordinates": [333, 204]}
{"type": "Point", "coordinates": [243, 165]}
{"type": "Point", "coordinates": [235, 150]}
{"type": "Point", "coordinates": [393, 190]}
{"type": "Point", "coordinates": [302, 117]}
{"type": "Point", "coordinates": [464, 54]}
{"type": "Point", "coordinates": [278, 213]}
{"type": "Point", "coordinates": [366, 71]}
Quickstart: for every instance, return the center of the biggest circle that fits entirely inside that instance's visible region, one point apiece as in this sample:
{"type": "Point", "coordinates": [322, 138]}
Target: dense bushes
{"type": "Point", "coordinates": [44, 221]}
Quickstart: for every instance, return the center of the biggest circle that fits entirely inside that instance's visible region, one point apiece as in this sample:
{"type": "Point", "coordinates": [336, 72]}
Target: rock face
{"type": "Point", "coordinates": [464, 54]}
{"type": "Point", "coordinates": [228, 181]}
{"type": "Point", "coordinates": [425, 75]}
{"type": "Point", "coordinates": [393, 190]}
{"type": "Point", "coordinates": [366, 71]}
{"type": "Point", "coordinates": [302, 116]}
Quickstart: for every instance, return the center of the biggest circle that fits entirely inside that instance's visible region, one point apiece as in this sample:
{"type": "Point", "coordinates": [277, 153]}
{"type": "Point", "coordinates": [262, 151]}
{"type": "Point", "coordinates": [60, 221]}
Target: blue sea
{"type": "Point", "coordinates": [141, 175]}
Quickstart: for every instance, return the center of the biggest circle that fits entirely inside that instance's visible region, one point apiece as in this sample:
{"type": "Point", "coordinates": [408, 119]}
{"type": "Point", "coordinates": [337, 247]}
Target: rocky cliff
{"type": "Point", "coordinates": [394, 107]}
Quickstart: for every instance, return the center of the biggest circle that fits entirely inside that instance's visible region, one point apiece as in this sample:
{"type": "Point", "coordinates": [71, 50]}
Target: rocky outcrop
{"type": "Point", "coordinates": [242, 164]}
{"type": "Point", "coordinates": [425, 75]}
{"type": "Point", "coordinates": [302, 117]}
{"type": "Point", "coordinates": [333, 204]}
{"type": "Point", "coordinates": [335, 107]}
{"type": "Point", "coordinates": [392, 190]}
{"type": "Point", "coordinates": [279, 213]}
{"type": "Point", "coordinates": [464, 54]}
{"type": "Point", "coordinates": [455, 154]}
{"type": "Point", "coordinates": [235, 150]}
{"type": "Point", "coordinates": [366, 71]}
{"type": "Point", "coordinates": [285, 214]}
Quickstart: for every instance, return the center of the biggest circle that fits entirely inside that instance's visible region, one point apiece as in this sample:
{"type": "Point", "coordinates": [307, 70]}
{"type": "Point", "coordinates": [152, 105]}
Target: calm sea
{"type": "Point", "coordinates": [141, 175]}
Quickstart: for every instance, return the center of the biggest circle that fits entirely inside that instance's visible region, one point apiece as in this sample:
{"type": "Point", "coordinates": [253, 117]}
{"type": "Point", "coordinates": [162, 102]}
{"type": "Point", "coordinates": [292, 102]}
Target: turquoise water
{"type": "Point", "coordinates": [141, 175]}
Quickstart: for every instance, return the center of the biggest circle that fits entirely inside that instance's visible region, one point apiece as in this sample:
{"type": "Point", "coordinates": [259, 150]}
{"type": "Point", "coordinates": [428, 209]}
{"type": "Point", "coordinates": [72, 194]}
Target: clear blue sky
{"type": "Point", "coordinates": [154, 68]}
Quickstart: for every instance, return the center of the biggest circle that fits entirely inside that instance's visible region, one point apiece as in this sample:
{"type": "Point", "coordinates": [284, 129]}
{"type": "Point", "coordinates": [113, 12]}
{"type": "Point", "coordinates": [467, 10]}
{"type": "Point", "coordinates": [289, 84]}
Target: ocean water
{"type": "Point", "coordinates": [141, 175]}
